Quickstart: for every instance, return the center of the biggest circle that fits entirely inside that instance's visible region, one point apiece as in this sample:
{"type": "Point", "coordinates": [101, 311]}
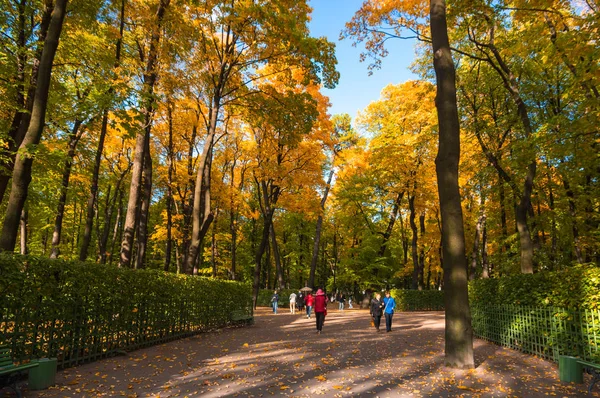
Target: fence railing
{"type": "Point", "coordinates": [543, 331]}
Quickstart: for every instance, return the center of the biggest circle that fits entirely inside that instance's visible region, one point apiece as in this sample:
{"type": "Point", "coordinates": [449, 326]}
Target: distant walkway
{"type": "Point", "coordinates": [282, 356]}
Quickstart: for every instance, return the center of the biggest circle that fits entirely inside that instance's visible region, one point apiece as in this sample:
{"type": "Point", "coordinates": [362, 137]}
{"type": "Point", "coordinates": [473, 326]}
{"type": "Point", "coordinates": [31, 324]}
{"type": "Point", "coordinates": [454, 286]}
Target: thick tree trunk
{"type": "Point", "coordinates": [276, 255]}
{"type": "Point", "coordinates": [150, 76]}
{"type": "Point", "coordinates": [91, 203]}
{"type": "Point", "coordinates": [414, 246]}
{"type": "Point", "coordinates": [64, 188]}
{"type": "Point", "coordinates": [521, 219]}
{"type": "Point", "coordinates": [459, 332]}
{"type": "Point", "coordinates": [22, 170]}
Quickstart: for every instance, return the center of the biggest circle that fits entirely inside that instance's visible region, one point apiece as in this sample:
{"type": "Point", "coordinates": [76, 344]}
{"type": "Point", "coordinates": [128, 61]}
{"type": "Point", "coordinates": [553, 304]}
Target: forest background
{"type": "Point", "coordinates": [195, 137]}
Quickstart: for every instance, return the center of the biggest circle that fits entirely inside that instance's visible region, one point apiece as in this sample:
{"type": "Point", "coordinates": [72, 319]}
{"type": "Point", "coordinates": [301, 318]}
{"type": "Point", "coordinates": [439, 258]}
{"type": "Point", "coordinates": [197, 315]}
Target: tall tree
{"type": "Point", "coordinates": [24, 160]}
{"type": "Point", "coordinates": [142, 145]}
{"type": "Point", "coordinates": [459, 332]}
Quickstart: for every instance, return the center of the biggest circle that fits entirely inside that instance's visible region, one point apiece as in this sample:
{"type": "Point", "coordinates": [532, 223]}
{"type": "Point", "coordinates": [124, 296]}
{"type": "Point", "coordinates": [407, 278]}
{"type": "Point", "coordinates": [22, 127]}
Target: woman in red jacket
{"type": "Point", "coordinates": [320, 309]}
{"type": "Point", "coordinates": [309, 304]}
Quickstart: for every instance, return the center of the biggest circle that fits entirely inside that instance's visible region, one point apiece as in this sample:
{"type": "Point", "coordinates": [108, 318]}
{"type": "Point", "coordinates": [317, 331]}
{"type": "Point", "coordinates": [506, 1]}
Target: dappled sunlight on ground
{"type": "Point", "coordinates": [281, 355]}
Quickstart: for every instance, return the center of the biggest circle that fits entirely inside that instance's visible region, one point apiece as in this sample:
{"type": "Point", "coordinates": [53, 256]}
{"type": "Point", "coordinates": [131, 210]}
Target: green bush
{"type": "Point", "coordinates": [80, 312]}
{"type": "Point", "coordinates": [418, 300]}
{"type": "Point", "coordinates": [574, 288]}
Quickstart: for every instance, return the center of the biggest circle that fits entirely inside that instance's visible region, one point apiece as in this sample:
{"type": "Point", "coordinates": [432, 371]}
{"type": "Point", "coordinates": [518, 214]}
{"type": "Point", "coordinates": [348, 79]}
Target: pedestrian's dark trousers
{"type": "Point", "coordinates": [320, 319]}
{"type": "Point", "coordinates": [377, 320]}
{"type": "Point", "coordinates": [388, 322]}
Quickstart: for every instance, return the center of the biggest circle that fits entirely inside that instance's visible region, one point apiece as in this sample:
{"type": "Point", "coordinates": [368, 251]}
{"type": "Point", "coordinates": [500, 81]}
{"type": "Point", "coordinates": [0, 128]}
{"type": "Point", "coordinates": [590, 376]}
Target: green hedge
{"type": "Point", "coordinates": [546, 314]}
{"type": "Point", "coordinates": [79, 312]}
{"type": "Point", "coordinates": [418, 300]}
{"type": "Point", "coordinates": [573, 288]}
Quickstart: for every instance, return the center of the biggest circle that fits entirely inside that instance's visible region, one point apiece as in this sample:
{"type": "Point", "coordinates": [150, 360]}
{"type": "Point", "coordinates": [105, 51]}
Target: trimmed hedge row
{"type": "Point", "coordinates": [574, 288]}
{"type": "Point", "coordinates": [418, 300]}
{"type": "Point", "coordinates": [79, 312]}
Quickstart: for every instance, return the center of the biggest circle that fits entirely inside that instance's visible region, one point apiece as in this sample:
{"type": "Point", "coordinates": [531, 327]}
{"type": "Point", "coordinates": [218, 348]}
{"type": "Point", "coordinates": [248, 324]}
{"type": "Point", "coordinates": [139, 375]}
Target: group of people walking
{"type": "Point", "coordinates": [378, 307]}
{"type": "Point", "coordinates": [383, 307]}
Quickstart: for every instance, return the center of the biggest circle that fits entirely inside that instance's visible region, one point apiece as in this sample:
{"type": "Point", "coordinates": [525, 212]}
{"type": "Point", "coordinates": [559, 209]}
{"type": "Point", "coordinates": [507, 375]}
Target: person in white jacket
{"type": "Point", "coordinates": [293, 303]}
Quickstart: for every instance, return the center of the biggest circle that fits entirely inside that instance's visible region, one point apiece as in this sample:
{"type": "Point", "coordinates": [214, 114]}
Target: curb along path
{"type": "Point", "coordinates": [281, 355]}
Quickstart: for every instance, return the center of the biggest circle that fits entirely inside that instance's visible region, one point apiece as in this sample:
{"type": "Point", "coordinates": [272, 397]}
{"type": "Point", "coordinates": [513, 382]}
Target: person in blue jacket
{"type": "Point", "coordinates": [388, 310]}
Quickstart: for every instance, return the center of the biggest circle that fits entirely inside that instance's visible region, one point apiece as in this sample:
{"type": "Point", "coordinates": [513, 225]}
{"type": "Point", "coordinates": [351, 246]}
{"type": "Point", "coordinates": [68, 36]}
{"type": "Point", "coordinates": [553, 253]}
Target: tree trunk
{"type": "Point", "coordinates": [22, 117]}
{"type": "Point", "coordinates": [573, 216]}
{"type": "Point", "coordinates": [415, 256]}
{"type": "Point", "coordinates": [23, 225]}
{"type": "Point", "coordinates": [201, 214]}
{"type": "Point", "coordinates": [169, 209]}
{"type": "Point", "coordinates": [258, 257]}
{"type": "Point", "coordinates": [150, 76]}
{"type": "Point", "coordinates": [315, 253]}
{"type": "Point", "coordinates": [64, 188]}
{"type": "Point", "coordinates": [278, 266]}
{"type": "Point", "coordinates": [142, 240]}
{"type": "Point", "coordinates": [116, 236]}
{"type": "Point", "coordinates": [422, 252]}
{"type": "Point", "coordinates": [213, 246]}
{"type": "Point", "coordinates": [485, 273]}
{"type": "Point", "coordinates": [459, 332]}
{"type": "Point", "coordinates": [91, 203]}
{"type": "Point", "coordinates": [475, 252]}
{"type": "Point", "coordinates": [23, 162]}
{"type": "Point", "coordinates": [390, 227]}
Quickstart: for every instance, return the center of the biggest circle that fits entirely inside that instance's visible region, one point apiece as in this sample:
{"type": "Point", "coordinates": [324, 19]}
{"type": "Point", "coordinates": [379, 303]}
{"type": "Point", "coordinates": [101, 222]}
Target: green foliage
{"type": "Point", "coordinates": [418, 300]}
{"type": "Point", "coordinates": [573, 288]}
{"type": "Point", "coordinates": [80, 312]}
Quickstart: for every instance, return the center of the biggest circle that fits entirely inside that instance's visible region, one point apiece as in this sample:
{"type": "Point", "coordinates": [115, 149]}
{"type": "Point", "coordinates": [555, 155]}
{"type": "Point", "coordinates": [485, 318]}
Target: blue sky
{"type": "Point", "coordinates": [356, 89]}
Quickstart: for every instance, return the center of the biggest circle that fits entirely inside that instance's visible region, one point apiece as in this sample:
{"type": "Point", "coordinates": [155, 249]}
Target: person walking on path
{"type": "Point", "coordinates": [309, 304]}
{"type": "Point", "coordinates": [389, 304]}
{"type": "Point", "coordinates": [275, 301]}
{"type": "Point", "coordinates": [376, 310]}
{"type": "Point", "coordinates": [350, 303]}
{"type": "Point", "coordinates": [293, 303]}
{"type": "Point", "coordinates": [320, 309]}
{"type": "Point", "coordinates": [341, 300]}
{"type": "Point", "coordinates": [300, 301]}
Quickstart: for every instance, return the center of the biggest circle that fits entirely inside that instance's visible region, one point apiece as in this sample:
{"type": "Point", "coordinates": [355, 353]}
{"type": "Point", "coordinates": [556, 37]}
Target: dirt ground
{"type": "Point", "coordinates": [281, 355]}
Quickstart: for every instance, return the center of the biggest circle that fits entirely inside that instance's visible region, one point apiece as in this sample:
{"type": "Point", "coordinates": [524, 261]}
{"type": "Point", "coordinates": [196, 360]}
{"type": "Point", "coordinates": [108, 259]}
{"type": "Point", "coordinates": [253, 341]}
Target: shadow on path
{"type": "Point", "coordinates": [281, 355]}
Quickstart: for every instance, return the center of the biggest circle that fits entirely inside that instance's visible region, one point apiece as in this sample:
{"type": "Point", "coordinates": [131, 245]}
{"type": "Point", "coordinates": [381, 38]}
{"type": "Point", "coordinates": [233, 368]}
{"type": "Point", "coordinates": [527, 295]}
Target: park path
{"type": "Point", "coordinates": [282, 356]}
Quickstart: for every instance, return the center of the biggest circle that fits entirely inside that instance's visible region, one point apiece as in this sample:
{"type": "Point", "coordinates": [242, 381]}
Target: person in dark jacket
{"type": "Point", "coordinates": [376, 310]}
{"type": "Point", "coordinates": [275, 302]}
{"type": "Point", "coordinates": [300, 301]}
{"type": "Point", "coordinates": [320, 309]}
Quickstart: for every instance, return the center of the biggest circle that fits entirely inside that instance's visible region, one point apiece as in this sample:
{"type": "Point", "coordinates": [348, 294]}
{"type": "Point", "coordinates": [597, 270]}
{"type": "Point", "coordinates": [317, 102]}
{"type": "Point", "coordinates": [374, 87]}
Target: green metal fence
{"type": "Point", "coordinates": [543, 331]}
